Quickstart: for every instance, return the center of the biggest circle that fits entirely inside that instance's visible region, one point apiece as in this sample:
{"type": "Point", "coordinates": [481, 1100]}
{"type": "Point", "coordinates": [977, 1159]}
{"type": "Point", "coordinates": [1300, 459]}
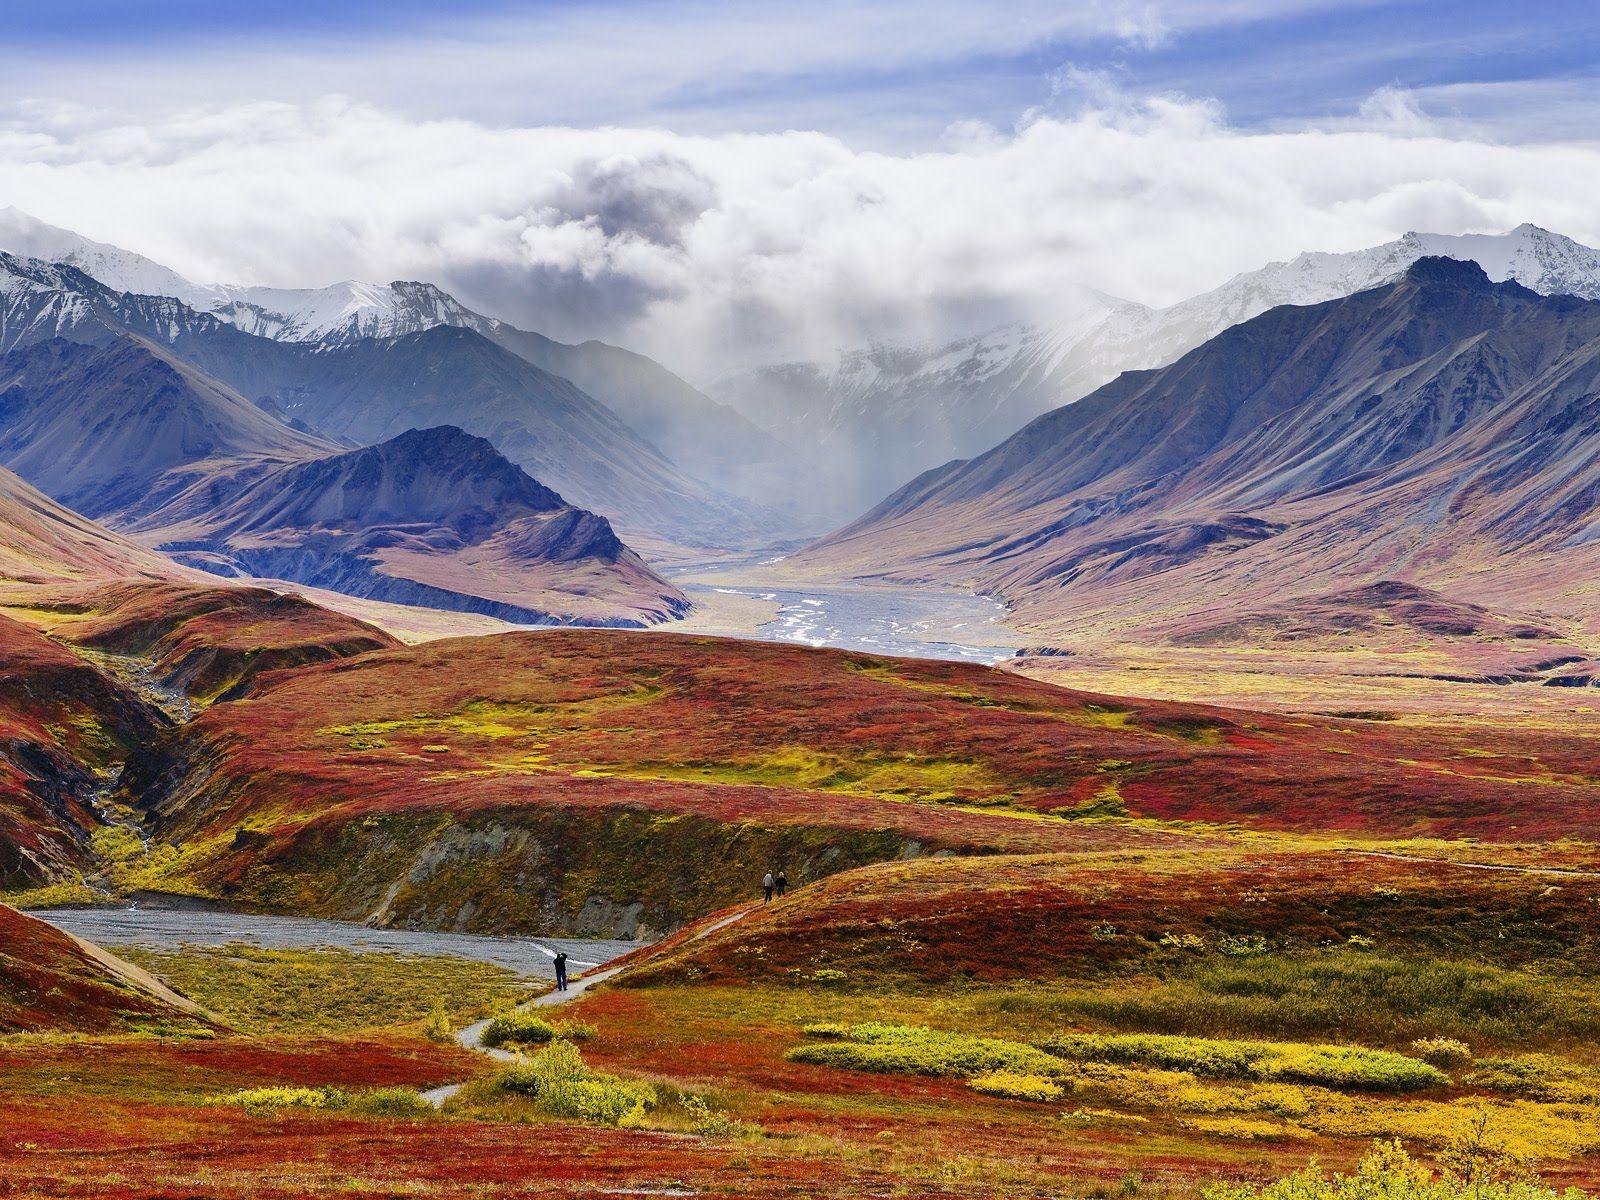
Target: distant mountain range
{"type": "Point", "coordinates": [131, 435]}
{"type": "Point", "coordinates": [885, 414]}
{"type": "Point", "coordinates": [678, 453]}
{"type": "Point", "coordinates": [1440, 429]}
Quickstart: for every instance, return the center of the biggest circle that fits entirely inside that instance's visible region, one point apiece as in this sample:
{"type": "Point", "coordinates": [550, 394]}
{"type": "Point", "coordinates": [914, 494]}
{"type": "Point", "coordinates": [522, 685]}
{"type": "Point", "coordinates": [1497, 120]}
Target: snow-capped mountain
{"type": "Point", "coordinates": [708, 440]}
{"type": "Point", "coordinates": [331, 315]}
{"type": "Point", "coordinates": [889, 413]}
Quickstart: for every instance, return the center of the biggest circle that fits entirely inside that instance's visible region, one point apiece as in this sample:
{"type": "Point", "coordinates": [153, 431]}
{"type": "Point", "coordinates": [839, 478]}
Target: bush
{"type": "Point", "coordinates": [1442, 1051]}
{"type": "Point", "coordinates": [1536, 1077]}
{"type": "Point", "coordinates": [1011, 1086]}
{"type": "Point", "coordinates": [557, 1062]}
{"type": "Point", "coordinates": [598, 1099]}
{"type": "Point", "coordinates": [1330, 1066]}
{"type": "Point", "coordinates": [518, 1028]}
{"type": "Point", "coordinates": [562, 1086]}
{"type": "Point", "coordinates": [282, 1097]}
{"type": "Point", "coordinates": [437, 1028]}
{"type": "Point", "coordinates": [387, 1102]}
{"type": "Point", "coordinates": [576, 1031]}
{"type": "Point", "coordinates": [708, 1122]}
{"type": "Point", "coordinates": [915, 1050]}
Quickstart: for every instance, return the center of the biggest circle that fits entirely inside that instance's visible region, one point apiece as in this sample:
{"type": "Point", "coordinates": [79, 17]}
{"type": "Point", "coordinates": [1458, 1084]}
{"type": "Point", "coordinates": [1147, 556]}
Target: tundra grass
{"type": "Point", "coordinates": [265, 991]}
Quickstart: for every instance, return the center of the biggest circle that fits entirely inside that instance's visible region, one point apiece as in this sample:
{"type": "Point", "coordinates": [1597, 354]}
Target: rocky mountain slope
{"type": "Point", "coordinates": [112, 430]}
{"type": "Point", "coordinates": [129, 433]}
{"type": "Point", "coordinates": [892, 412]}
{"type": "Point", "coordinates": [371, 389]}
{"type": "Point", "coordinates": [1438, 430]}
{"type": "Point", "coordinates": [432, 517]}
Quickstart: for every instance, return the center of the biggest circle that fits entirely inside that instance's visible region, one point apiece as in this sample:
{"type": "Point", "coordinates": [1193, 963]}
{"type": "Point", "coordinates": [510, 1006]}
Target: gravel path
{"type": "Point", "coordinates": [471, 1038]}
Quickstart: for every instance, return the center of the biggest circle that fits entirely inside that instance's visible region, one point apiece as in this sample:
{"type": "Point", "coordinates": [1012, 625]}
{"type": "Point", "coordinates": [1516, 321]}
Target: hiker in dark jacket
{"type": "Point", "coordinates": [783, 882]}
{"type": "Point", "coordinates": [561, 971]}
{"type": "Point", "coordinates": [767, 884]}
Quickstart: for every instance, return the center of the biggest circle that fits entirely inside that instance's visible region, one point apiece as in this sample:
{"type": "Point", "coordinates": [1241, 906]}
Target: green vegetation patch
{"type": "Point", "coordinates": [918, 1050]}
{"type": "Point", "coordinates": [496, 720]}
{"type": "Point", "coordinates": [1362, 996]}
{"type": "Point", "coordinates": [381, 1102]}
{"type": "Point", "coordinates": [518, 1029]}
{"type": "Point", "coordinates": [1389, 1173]}
{"type": "Point", "coordinates": [1329, 1066]}
{"type": "Point", "coordinates": [878, 774]}
{"type": "Point", "coordinates": [325, 991]}
{"type": "Point", "coordinates": [561, 1085]}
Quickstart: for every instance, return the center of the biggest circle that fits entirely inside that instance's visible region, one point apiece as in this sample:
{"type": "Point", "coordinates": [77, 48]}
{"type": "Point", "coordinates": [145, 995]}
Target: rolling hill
{"type": "Point", "coordinates": [622, 783]}
{"type": "Point", "coordinates": [64, 729]}
{"type": "Point", "coordinates": [44, 543]}
{"type": "Point", "coordinates": [52, 982]}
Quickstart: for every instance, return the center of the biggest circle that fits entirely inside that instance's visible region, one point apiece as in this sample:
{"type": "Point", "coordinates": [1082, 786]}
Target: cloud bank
{"type": "Point", "coordinates": [720, 250]}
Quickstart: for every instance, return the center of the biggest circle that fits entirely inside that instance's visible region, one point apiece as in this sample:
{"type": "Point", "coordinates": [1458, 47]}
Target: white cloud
{"type": "Point", "coordinates": [712, 250]}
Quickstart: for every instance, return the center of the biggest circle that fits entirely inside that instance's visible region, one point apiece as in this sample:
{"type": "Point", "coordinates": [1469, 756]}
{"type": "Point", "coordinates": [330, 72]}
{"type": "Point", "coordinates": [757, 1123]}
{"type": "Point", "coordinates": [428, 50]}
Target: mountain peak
{"type": "Point", "coordinates": [1439, 268]}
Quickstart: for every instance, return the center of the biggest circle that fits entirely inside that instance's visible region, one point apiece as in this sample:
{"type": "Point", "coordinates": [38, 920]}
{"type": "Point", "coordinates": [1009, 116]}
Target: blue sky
{"type": "Point", "coordinates": [892, 75]}
{"type": "Point", "coordinates": [718, 182]}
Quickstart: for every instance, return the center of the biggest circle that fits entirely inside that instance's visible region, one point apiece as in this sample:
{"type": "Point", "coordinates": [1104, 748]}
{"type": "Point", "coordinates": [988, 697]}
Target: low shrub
{"type": "Point", "coordinates": [708, 1122]}
{"type": "Point", "coordinates": [916, 1050]}
{"type": "Point", "coordinates": [520, 1029]}
{"type": "Point", "coordinates": [1330, 1066]}
{"type": "Point", "coordinates": [281, 1097]}
{"type": "Point", "coordinates": [561, 1085]}
{"type": "Point", "coordinates": [1389, 1173]}
{"type": "Point", "coordinates": [379, 1102]}
{"type": "Point", "coordinates": [386, 1102]}
{"type": "Point", "coordinates": [1010, 1086]}
{"type": "Point", "coordinates": [1247, 1129]}
{"type": "Point", "coordinates": [1536, 1077]}
{"type": "Point", "coordinates": [1180, 1091]}
{"type": "Point", "coordinates": [576, 1031]}
{"type": "Point", "coordinates": [1106, 1117]}
{"type": "Point", "coordinates": [556, 1062]}
{"type": "Point", "coordinates": [436, 1027]}
{"type": "Point", "coordinates": [598, 1099]}
{"type": "Point", "coordinates": [1442, 1051]}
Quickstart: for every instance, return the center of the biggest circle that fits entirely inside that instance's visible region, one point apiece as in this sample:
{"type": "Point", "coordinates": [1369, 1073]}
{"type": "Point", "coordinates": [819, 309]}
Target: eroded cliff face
{"type": "Point", "coordinates": [65, 729]}
{"type": "Point", "coordinates": [613, 873]}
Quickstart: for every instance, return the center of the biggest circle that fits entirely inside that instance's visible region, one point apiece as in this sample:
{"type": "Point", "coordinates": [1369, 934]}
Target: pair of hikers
{"type": "Point", "coordinates": [771, 883]}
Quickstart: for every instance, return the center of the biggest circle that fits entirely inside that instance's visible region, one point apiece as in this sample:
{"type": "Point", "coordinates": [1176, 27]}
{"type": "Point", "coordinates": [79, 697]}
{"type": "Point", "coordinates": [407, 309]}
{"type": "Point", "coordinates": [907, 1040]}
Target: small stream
{"type": "Point", "coordinates": [170, 927]}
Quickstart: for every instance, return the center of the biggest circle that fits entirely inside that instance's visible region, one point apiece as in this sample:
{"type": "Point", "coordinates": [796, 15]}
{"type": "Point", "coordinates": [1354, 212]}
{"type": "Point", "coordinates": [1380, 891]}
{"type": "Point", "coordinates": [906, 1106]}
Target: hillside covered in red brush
{"type": "Point", "coordinates": [51, 981]}
{"type": "Point", "coordinates": [625, 782]}
{"type": "Point", "coordinates": [205, 640]}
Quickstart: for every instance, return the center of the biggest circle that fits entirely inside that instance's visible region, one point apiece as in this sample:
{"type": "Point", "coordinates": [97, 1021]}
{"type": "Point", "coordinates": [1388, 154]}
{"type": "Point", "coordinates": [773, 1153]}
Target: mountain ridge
{"type": "Point", "coordinates": [963, 397]}
{"type": "Point", "coordinates": [1419, 431]}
